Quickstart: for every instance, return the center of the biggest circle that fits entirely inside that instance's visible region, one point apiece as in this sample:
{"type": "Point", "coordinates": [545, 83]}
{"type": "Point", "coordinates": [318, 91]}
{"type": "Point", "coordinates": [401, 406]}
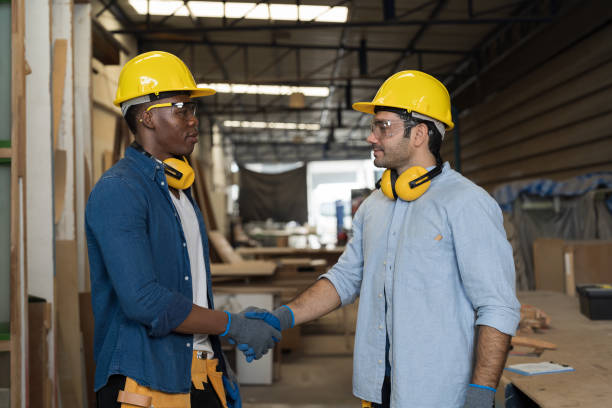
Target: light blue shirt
{"type": "Point", "coordinates": [443, 265]}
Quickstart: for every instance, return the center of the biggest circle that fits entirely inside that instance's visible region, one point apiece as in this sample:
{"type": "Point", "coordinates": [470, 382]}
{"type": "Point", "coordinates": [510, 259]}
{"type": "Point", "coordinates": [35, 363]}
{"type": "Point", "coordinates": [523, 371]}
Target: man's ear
{"type": "Point", "coordinates": [146, 119]}
{"type": "Point", "coordinates": [420, 134]}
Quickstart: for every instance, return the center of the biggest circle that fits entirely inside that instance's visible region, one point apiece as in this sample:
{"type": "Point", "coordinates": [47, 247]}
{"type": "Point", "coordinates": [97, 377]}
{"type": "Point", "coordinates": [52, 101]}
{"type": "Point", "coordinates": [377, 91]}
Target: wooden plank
{"type": "Point", "coordinates": [59, 181]}
{"type": "Point", "coordinates": [58, 75]}
{"type": "Point", "coordinates": [223, 248]}
{"type": "Point", "coordinates": [18, 285]}
{"type": "Point", "coordinates": [552, 140]}
{"type": "Point", "coordinates": [39, 325]}
{"type": "Point", "coordinates": [6, 153]}
{"type": "Point", "coordinates": [244, 268]}
{"type": "Point", "coordinates": [585, 155]}
{"type": "Point", "coordinates": [581, 343]}
{"type": "Point", "coordinates": [5, 345]}
{"type": "Point", "coordinates": [204, 196]}
{"type": "Point", "coordinates": [555, 73]}
{"type": "Point", "coordinates": [69, 362]}
{"type": "Point", "coordinates": [87, 328]}
{"type": "Point", "coordinates": [567, 31]}
{"type": "Point", "coordinates": [583, 108]}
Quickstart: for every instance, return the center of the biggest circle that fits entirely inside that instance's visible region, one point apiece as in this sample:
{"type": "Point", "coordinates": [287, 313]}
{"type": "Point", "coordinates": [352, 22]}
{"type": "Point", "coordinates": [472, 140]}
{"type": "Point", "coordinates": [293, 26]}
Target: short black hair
{"type": "Point", "coordinates": [134, 111]}
{"type": "Point", "coordinates": [435, 138]}
{"type": "Point", "coordinates": [132, 115]}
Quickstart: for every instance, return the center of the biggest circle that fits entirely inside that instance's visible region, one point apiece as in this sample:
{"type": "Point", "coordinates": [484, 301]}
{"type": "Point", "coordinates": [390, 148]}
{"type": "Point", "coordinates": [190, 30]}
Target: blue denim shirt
{"type": "Point", "coordinates": [442, 265]}
{"type": "Point", "coordinates": [140, 277]}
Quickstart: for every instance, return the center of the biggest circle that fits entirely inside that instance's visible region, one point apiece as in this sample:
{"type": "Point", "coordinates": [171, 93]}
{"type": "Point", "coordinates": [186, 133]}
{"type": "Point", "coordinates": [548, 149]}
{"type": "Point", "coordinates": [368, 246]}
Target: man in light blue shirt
{"type": "Point", "coordinates": [429, 261]}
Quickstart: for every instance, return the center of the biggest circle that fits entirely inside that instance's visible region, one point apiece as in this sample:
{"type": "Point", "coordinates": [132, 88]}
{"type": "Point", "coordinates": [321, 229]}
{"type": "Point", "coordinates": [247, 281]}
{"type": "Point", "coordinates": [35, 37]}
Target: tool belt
{"type": "Point", "coordinates": [366, 404]}
{"type": "Point", "coordinates": [203, 370]}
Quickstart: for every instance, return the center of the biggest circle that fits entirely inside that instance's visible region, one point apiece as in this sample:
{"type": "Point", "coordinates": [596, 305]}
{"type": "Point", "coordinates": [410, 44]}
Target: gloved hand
{"type": "Point", "coordinates": [479, 396]}
{"type": "Point", "coordinates": [253, 336]}
{"type": "Point", "coordinates": [285, 316]}
{"type": "Point", "coordinates": [232, 393]}
{"type": "Point", "coordinates": [280, 319]}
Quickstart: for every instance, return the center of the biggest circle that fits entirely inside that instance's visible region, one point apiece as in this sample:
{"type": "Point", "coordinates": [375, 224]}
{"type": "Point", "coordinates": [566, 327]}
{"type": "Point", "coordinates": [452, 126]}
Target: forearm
{"type": "Point", "coordinates": [203, 321]}
{"type": "Point", "coordinates": [316, 301]}
{"type": "Point", "coordinates": [491, 353]}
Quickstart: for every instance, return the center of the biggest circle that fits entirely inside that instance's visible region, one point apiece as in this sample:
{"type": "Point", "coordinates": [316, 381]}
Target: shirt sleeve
{"type": "Point", "coordinates": [486, 264]}
{"type": "Point", "coordinates": [116, 216]}
{"type": "Point", "coordinates": [347, 273]}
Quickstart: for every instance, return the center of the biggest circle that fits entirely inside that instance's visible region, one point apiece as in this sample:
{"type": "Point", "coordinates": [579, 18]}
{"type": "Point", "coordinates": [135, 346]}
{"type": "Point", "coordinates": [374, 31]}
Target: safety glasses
{"type": "Point", "coordinates": [384, 128]}
{"type": "Point", "coordinates": [184, 110]}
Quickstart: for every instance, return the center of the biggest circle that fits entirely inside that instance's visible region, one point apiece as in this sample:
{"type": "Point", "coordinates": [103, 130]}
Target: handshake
{"type": "Point", "coordinates": [255, 331]}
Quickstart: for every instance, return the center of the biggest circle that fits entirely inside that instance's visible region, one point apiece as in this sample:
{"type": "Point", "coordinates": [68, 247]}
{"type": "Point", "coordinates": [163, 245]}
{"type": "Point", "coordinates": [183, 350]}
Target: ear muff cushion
{"type": "Point", "coordinates": [183, 166]}
{"type": "Point", "coordinates": [385, 184]}
{"type": "Point", "coordinates": [402, 185]}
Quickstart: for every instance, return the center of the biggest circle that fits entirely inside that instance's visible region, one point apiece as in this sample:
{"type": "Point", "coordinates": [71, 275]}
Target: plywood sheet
{"type": "Point", "coordinates": [87, 328]}
{"type": "Point", "coordinates": [69, 363]}
{"type": "Point", "coordinates": [59, 182]}
{"type": "Point", "coordinates": [58, 78]}
{"type": "Point", "coordinates": [244, 268]}
{"type": "Point", "coordinates": [548, 264]}
{"type": "Point", "coordinates": [592, 261]}
{"type": "Point", "coordinates": [223, 248]}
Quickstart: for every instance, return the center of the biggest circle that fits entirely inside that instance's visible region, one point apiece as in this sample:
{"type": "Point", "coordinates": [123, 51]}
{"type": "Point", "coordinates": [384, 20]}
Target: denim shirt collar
{"type": "Point", "coordinates": [147, 165]}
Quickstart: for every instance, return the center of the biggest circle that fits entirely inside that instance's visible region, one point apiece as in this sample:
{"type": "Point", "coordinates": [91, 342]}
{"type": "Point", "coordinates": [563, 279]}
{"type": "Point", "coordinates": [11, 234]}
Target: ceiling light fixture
{"type": "Point", "coordinates": [320, 91]}
{"type": "Point", "coordinates": [252, 11]}
{"type": "Point", "coordinates": [271, 125]}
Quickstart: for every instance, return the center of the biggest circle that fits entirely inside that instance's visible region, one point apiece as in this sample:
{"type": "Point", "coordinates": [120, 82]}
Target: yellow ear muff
{"type": "Point", "coordinates": [179, 174]}
{"type": "Point", "coordinates": [385, 184]}
{"type": "Point", "coordinates": [402, 185]}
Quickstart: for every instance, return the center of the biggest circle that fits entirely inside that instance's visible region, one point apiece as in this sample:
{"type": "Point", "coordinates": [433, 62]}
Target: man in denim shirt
{"type": "Point", "coordinates": [430, 262]}
{"type": "Point", "coordinates": [156, 340]}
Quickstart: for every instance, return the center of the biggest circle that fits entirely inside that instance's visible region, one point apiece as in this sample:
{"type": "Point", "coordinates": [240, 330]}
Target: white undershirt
{"type": "Point", "coordinates": [191, 229]}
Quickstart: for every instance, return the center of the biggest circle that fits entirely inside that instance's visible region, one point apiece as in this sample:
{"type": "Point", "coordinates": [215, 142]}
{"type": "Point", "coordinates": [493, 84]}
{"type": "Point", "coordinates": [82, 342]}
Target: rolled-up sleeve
{"type": "Point", "coordinates": [486, 265]}
{"type": "Point", "coordinates": [116, 219]}
{"type": "Point", "coordinates": [346, 275]}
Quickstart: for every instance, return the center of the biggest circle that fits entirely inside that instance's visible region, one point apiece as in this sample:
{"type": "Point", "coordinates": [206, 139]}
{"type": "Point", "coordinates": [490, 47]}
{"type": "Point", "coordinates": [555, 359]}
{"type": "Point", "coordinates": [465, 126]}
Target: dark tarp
{"type": "Point", "coordinates": [280, 197]}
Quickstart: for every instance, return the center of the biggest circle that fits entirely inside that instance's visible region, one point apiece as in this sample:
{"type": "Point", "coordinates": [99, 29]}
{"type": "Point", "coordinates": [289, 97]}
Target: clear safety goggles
{"type": "Point", "coordinates": [184, 110]}
{"type": "Point", "coordinates": [384, 128]}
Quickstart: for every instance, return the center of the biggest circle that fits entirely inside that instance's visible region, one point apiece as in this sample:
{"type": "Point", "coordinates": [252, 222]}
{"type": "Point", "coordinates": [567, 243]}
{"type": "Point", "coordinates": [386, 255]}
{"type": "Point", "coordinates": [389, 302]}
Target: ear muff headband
{"type": "Point", "coordinates": [179, 174]}
{"type": "Point", "coordinates": [410, 185]}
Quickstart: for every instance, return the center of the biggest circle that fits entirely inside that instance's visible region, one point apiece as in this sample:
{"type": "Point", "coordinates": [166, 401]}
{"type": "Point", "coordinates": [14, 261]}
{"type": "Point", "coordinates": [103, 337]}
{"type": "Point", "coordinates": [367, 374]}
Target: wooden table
{"type": "Point", "coordinates": [584, 344]}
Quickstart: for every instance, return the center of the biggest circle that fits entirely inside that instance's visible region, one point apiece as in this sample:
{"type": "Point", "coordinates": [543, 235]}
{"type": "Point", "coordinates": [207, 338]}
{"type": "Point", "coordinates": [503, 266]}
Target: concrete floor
{"type": "Point", "coordinates": [307, 381]}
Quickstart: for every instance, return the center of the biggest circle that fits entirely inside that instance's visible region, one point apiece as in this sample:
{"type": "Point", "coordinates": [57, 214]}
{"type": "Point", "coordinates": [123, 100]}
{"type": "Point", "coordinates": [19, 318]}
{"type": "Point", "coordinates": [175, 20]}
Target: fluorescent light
{"type": "Point", "coordinates": [272, 125]}
{"type": "Point", "coordinates": [160, 8]}
{"type": "Point", "coordinates": [320, 91]}
{"type": "Point", "coordinates": [205, 8]}
{"type": "Point", "coordinates": [254, 11]}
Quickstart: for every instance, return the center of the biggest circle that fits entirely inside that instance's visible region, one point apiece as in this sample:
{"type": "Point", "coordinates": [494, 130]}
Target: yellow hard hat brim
{"type": "Point", "coordinates": [365, 107]}
{"type": "Point", "coordinates": [195, 93]}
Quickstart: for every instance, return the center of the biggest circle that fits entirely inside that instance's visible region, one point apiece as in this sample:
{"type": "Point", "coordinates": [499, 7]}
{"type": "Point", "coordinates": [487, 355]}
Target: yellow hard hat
{"type": "Point", "coordinates": [414, 91]}
{"type": "Point", "coordinates": [154, 72]}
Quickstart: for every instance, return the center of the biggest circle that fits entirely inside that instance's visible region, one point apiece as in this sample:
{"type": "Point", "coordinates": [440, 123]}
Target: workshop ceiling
{"type": "Point", "coordinates": [454, 40]}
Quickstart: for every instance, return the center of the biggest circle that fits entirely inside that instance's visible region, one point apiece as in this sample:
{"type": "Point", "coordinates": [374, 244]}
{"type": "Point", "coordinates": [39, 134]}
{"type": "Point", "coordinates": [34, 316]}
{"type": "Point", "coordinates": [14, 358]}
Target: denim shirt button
{"type": "Point", "coordinates": [186, 277]}
{"type": "Point", "coordinates": [162, 183]}
{"type": "Point", "coordinates": [184, 244]}
{"type": "Point", "coordinates": [188, 344]}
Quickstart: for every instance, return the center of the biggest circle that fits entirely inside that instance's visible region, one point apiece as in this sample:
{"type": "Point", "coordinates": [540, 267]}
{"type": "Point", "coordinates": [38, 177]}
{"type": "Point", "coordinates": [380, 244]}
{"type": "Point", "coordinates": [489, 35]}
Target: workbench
{"type": "Point", "coordinates": [585, 345]}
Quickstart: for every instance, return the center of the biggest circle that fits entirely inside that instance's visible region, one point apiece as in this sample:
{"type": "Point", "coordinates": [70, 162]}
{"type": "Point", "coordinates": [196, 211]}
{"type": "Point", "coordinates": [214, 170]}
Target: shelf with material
{"type": "Point", "coordinates": [5, 149]}
{"type": "Point", "coordinates": [5, 337]}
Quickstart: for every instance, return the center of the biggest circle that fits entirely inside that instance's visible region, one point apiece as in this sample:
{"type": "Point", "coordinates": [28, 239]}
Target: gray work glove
{"type": "Point", "coordinates": [284, 314]}
{"type": "Point", "coordinates": [253, 336]}
{"type": "Point", "coordinates": [478, 396]}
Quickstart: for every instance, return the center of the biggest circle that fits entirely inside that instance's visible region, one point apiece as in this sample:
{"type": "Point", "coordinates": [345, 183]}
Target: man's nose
{"type": "Point", "coordinates": [372, 139]}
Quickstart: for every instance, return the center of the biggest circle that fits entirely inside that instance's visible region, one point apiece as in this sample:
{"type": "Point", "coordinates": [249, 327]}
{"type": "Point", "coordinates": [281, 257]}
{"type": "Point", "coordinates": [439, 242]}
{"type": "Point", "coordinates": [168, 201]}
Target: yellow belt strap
{"type": "Point", "coordinates": [366, 404]}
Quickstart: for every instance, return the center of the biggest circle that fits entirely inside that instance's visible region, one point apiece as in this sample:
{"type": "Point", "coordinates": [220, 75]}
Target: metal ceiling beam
{"type": "Point", "coordinates": [309, 46]}
{"type": "Point", "coordinates": [315, 25]}
{"type": "Point", "coordinates": [113, 7]}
